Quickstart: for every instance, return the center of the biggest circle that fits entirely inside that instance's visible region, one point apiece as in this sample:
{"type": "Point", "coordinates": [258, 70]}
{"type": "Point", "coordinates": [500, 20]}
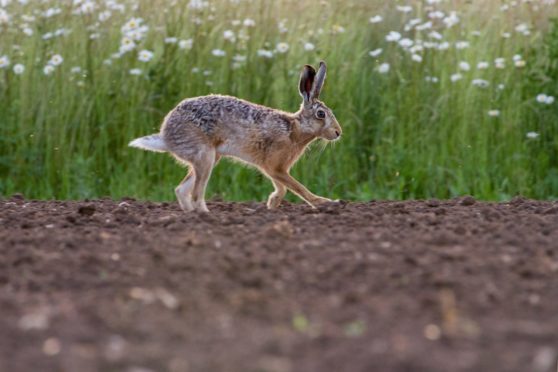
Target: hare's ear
{"type": "Point", "coordinates": [319, 81]}
{"type": "Point", "coordinates": [306, 83]}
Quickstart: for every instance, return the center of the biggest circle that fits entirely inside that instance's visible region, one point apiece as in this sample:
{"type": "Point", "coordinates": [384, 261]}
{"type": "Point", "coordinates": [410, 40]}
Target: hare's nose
{"type": "Point", "coordinates": [337, 133]}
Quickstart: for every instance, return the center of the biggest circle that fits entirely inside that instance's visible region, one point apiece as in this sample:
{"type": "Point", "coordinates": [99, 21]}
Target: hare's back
{"type": "Point", "coordinates": [214, 113]}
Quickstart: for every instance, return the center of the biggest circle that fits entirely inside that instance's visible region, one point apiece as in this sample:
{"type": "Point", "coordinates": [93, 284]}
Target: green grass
{"type": "Point", "coordinates": [65, 135]}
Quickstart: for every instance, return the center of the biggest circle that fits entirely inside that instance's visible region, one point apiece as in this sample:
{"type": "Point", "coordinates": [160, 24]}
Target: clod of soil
{"type": "Point", "coordinates": [86, 210]}
{"type": "Point", "coordinates": [457, 285]}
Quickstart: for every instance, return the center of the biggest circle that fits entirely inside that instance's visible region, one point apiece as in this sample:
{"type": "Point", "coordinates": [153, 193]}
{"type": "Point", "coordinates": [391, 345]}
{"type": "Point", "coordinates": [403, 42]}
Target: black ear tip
{"type": "Point", "coordinates": [309, 68]}
{"type": "Point", "coordinates": [322, 63]}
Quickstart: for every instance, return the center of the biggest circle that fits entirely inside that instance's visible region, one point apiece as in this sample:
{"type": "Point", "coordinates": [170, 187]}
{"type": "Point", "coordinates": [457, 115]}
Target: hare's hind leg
{"type": "Point", "coordinates": [190, 192]}
{"type": "Point", "coordinates": [184, 191]}
{"type": "Point", "coordinates": [203, 165]}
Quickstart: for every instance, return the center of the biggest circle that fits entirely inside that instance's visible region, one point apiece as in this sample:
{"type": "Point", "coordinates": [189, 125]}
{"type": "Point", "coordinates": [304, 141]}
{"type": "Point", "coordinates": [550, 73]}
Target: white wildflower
{"type": "Point", "coordinates": [456, 77]}
{"type": "Point", "coordinates": [126, 45]}
{"type": "Point", "coordinates": [145, 55]}
{"type": "Point", "coordinates": [494, 113]}
{"type": "Point", "coordinates": [265, 53]}
{"type": "Point", "coordinates": [135, 29]}
{"type": "Point", "coordinates": [451, 20]}
{"type": "Point", "coordinates": [464, 66]}
{"type": "Point", "coordinates": [19, 69]}
{"type": "Point", "coordinates": [375, 52]}
{"type": "Point", "coordinates": [132, 24]}
{"type": "Point", "coordinates": [480, 83]}
{"type": "Point", "coordinates": [431, 79]}
{"type": "Point", "coordinates": [135, 71]}
{"type": "Point", "coordinates": [48, 69]}
{"type": "Point", "coordinates": [171, 40]}
{"type": "Point", "coordinates": [248, 22]}
{"type": "Point", "coordinates": [404, 8]}
{"type": "Point", "coordinates": [383, 68]}
{"type": "Point", "coordinates": [229, 35]}
{"type": "Point", "coordinates": [443, 45]}
{"type": "Point", "coordinates": [282, 25]}
{"type": "Point", "coordinates": [437, 14]}
{"type": "Point", "coordinates": [75, 70]}
{"type": "Point", "coordinates": [500, 63]}
{"type": "Point", "coordinates": [218, 52]}
{"type": "Point", "coordinates": [523, 28]}
{"type": "Point", "coordinates": [406, 43]}
{"type": "Point", "coordinates": [412, 23]}
{"type": "Point", "coordinates": [424, 26]}
{"type": "Point", "coordinates": [86, 8]}
{"type": "Point", "coordinates": [198, 4]}
{"type": "Point", "coordinates": [393, 36]}
{"type": "Point", "coordinates": [4, 61]}
{"type": "Point", "coordinates": [5, 18]}
{"type": "Point", "coordinates": [104, 15]}
{"type": "Point", "coordinates": [435, 35]}
{"type": "Point", "coordinates": [51, 12]}
{"type": "Point", "coordinates": [338, 29]}
{"type": "Point", "coordinates": [56, 60]}
{"type": "Point", "coordinates": [376, 19]}
{"type": "Point", "coordinates": [462, 44]}
{"type": "Point", "coordinates": [282, 47]}
{"type": "Point", "coordinates": [309, 46]}
{"type": "Point", "coordinates": [416, 58]}
{"type": "Point", "coordinates": [417, 48]}
{"type": "Point", "coordinates": [532, 135]}
{"type": "Point", "coordinates": [483, 65]}
{"type": "Point", "coordinates": [543, 98]}
{"type": "Point", "coordinates": [186, 44]}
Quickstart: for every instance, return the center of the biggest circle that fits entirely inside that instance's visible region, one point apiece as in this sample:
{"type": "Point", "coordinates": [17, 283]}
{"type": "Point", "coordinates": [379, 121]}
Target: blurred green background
{"type": "Point", "coordinates": [436, 98]}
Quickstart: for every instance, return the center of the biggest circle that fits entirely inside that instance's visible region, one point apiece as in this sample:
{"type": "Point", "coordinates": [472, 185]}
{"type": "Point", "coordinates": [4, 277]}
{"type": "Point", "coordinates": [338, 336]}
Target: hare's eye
{"type": "Point", "coordinates": [320, 114]}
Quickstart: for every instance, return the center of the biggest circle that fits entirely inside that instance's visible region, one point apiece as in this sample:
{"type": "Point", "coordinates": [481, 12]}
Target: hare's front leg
{"type": "Point", "coordinates": [298, 188]}
{"type": "Point", "coordinates": [277, 195]}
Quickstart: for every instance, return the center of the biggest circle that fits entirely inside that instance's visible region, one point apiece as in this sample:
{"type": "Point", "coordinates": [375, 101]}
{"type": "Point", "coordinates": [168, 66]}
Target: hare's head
{"type": "Point", "coordinates": [316, 117]}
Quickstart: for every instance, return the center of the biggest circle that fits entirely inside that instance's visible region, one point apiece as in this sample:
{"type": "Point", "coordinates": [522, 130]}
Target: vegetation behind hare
{"type": "Point", "coordinates": [200, 130]}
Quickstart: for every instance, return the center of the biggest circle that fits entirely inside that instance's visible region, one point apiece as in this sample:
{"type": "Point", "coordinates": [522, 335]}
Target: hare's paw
{"type": "Point", "coordinates": [319, 201]}
{"type": "Point", "coordinates": [274, 201]}
{"type": "Point", "coordinates": [185, 204]}
{"type": "Point", "coordinates": [200, 206]}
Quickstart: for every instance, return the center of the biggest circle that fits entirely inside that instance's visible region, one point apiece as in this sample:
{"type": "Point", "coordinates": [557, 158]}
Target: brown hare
{"type": "Point", "coordinates": [200, 130]}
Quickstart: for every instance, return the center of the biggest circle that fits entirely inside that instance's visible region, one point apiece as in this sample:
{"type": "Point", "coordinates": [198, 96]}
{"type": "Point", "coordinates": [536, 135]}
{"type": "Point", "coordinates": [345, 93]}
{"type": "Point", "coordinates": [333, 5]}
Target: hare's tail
{"type": "Point", "coordinates": [152, 142]}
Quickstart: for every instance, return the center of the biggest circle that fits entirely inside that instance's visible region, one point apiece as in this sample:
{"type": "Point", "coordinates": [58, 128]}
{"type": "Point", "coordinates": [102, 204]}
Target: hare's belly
{"type": "Point", "coordinates": [226, 149]}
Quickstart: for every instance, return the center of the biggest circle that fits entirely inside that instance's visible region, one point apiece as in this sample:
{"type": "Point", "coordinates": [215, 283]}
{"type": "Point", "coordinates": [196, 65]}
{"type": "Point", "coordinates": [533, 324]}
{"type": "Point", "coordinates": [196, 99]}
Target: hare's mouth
{"type": "Point", "coordinates": [334, 136]}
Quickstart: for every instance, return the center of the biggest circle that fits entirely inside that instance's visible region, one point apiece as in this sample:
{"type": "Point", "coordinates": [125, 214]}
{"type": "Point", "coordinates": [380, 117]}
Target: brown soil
{"type": "Point", "coordinates": [132, 286]}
